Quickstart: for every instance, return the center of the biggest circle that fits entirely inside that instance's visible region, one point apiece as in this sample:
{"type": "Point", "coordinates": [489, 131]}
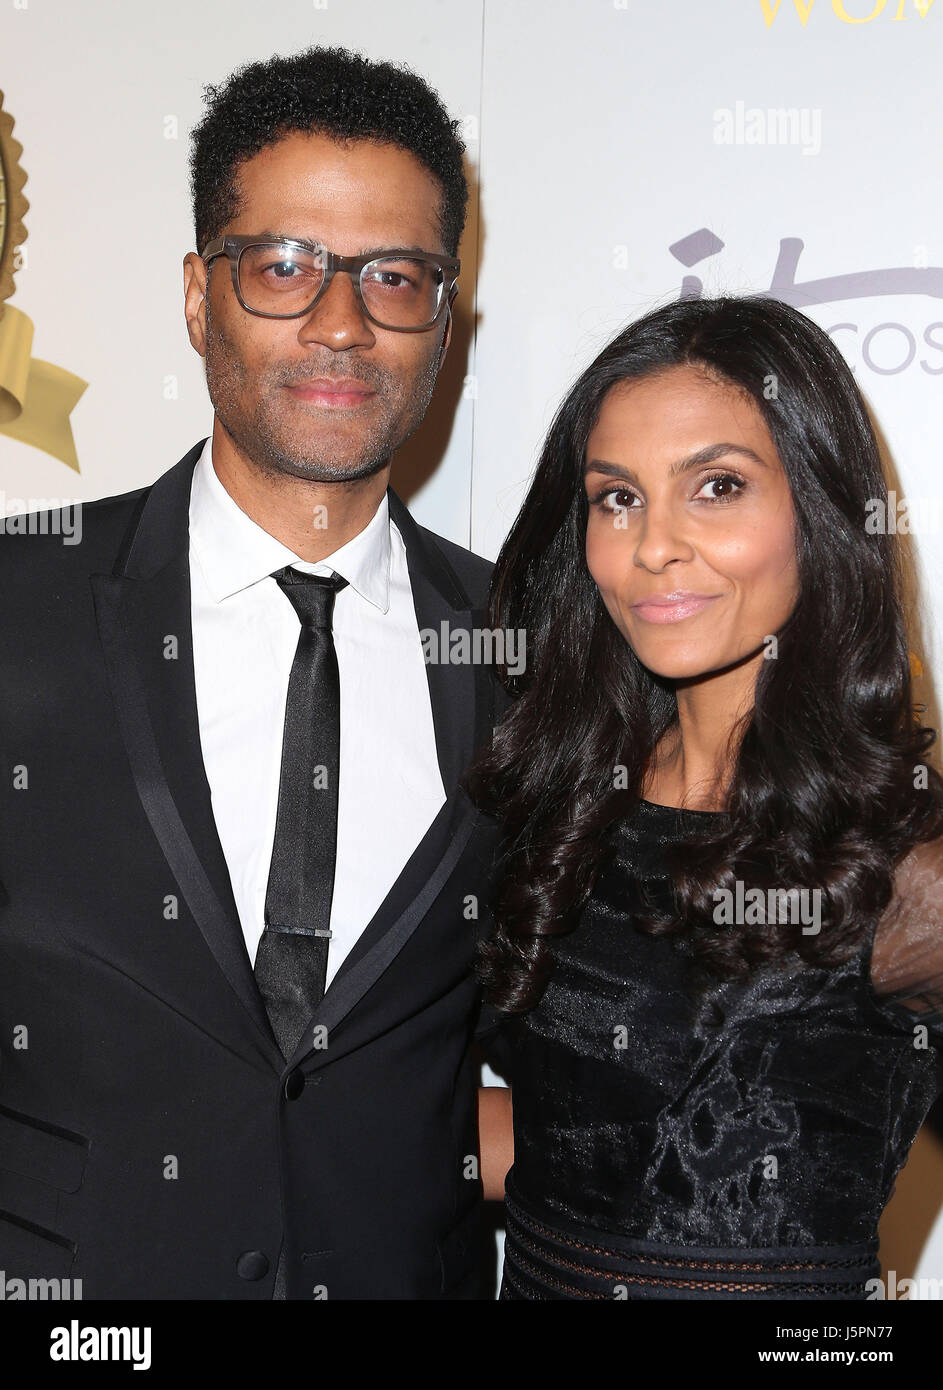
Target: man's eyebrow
{"type": "Point", "coordinates": [706, 455]}
{"type": "Point", "coordinates": [365, 251]}
{"type": "Point", "coordinates": [378, 250]}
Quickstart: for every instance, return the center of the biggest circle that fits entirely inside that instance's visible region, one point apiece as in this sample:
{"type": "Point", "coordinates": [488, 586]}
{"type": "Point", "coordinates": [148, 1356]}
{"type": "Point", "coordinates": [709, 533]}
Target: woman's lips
{"type": "Point", "coordinates": [672, 610]}
{"type": "Point", "coordinates": [344, 394]}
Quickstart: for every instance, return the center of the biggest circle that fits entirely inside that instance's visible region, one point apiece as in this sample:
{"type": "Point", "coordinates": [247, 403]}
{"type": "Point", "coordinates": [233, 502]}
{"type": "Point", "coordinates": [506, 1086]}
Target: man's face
{"type": "Point", "coordinates": [351, 198]}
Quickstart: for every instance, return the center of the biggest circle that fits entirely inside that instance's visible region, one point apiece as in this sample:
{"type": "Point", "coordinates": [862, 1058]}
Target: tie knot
{"type": "Point", "coordinates": [311, 595]}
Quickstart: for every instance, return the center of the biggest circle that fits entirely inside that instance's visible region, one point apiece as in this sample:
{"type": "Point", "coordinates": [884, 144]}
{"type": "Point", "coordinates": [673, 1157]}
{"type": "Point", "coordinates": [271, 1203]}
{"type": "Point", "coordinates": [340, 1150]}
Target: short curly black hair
{"type": "Point", "coordinates": [333, 91]}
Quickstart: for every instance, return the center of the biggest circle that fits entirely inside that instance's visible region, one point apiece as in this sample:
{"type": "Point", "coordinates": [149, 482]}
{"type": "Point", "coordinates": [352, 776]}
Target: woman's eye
{"type": "Point", "coordinates": [727, 493]}
{"type": "Point", "coordinates": [615, 499]}
{"type": "Point", "coordinates": [722, 487]}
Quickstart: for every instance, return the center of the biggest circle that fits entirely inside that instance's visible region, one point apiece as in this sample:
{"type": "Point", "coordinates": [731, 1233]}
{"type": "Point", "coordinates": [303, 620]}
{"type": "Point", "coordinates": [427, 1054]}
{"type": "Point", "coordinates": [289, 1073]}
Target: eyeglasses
{"type": "Point", "coordinates": [283, 278]}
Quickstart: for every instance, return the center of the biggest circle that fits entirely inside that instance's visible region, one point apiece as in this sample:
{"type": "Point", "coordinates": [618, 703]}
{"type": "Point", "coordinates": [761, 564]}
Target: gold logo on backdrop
{"type": "Point", "coordinates": [36, 398]}
{"type": "Point", "coordinates": [840, 10]}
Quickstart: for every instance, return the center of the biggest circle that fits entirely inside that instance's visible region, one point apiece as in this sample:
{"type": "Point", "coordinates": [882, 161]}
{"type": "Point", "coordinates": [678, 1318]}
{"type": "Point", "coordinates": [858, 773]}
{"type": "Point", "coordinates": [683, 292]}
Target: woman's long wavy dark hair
{"type": "Point", "coordinates": [824, 765]}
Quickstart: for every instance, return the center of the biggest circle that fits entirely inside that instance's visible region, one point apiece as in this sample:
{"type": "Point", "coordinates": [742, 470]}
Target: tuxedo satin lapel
{"type": "Point", "coordinates": [452, 684]}
{"type": "Point", "coordinates": [410, 898]}
{"type": "Point", "coordinates": [459, 686]}
{"type": "Point", "coordinates": [144, 623]}
{"type": "Point", "coordinates": [462, 713]}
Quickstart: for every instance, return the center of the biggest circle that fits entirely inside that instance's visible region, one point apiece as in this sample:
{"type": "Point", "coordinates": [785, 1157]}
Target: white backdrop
{"type": "Point", "coordinates": [624, 151]}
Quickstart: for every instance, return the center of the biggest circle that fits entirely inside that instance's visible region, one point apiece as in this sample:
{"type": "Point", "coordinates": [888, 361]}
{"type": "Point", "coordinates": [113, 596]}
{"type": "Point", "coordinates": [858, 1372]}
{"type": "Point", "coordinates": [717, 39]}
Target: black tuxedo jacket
{"type": "Point", "coordinates": [153, 1141]}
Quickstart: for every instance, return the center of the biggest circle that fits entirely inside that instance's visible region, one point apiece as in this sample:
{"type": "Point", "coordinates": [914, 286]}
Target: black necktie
{"type": "Point", "coordinates": [291, 961]}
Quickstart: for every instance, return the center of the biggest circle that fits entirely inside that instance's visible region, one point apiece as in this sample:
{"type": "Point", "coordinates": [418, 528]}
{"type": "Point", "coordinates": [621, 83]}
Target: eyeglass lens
{"type": "Point", "coordinates": [283, 279]}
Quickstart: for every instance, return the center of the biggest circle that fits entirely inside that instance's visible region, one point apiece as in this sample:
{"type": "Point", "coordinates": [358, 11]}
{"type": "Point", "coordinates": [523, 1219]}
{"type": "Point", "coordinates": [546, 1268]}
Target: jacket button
{"type": "Point", "coordinates": [252, 1264]}
{"type": "Point", "coordinates": [294, 1084]}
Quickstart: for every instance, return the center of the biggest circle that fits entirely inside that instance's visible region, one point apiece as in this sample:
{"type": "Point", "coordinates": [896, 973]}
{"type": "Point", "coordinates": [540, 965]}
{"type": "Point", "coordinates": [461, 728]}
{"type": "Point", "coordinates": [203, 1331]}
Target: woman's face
{"type": "Point", "coordinates": [691, 531]}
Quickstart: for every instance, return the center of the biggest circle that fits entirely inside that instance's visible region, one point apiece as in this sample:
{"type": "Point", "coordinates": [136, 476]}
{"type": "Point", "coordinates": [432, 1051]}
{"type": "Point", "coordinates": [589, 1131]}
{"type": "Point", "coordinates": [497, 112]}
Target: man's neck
{"type": "Point", "coordinates": [313, 519]}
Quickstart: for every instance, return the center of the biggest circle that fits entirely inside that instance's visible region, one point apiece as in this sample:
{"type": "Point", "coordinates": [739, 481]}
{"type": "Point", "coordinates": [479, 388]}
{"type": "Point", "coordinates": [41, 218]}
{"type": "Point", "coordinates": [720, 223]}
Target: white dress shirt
{"type": "Point", "coordinates": [245, 632]}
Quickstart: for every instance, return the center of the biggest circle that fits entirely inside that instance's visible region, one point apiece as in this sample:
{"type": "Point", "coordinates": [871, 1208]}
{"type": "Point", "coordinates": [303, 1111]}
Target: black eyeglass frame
{"type": "Point", "coordinates": [232, 247]}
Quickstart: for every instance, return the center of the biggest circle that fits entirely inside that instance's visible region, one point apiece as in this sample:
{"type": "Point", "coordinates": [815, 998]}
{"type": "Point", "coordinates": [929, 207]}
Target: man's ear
{"type": "Point", "coordinates": [194, 300]}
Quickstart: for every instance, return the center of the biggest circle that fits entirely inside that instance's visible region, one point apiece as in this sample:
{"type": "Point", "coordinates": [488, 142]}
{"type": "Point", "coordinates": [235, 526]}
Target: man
{"type": "Point", "coordinates": [240, 880]}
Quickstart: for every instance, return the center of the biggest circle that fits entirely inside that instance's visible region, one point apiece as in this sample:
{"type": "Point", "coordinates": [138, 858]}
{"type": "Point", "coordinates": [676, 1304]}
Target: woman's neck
{"type": "Point", "coordinates": [694, 761]}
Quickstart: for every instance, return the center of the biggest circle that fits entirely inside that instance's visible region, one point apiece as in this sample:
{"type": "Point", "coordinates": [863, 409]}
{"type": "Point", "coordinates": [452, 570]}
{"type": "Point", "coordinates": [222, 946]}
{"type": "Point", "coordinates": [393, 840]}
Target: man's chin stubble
{"type": "Point", "coordinates": [267, 445]}
{"type": "Point", "coordinates": [261, 448]}
{"type": "Point", "coordinates": [260, 440]}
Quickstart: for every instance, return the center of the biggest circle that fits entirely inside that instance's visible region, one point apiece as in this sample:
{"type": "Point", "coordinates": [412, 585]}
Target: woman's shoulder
{"type": "Point", "coordinates": [906, 959]}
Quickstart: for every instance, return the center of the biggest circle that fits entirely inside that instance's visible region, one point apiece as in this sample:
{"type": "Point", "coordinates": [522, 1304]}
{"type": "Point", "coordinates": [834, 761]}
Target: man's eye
{"type": "Point", "coordinates": [390, 280]}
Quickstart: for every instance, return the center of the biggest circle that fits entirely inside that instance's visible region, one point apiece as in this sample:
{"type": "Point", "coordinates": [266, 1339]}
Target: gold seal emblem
{"type": "Point", "coordinates": [36, 398]}
{"type": "Point", "coordinates": [13, 205]}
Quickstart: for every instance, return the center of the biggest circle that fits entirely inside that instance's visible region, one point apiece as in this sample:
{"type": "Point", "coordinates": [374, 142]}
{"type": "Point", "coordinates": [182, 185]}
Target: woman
{"type": "Point", "coordinates": [717, 935]}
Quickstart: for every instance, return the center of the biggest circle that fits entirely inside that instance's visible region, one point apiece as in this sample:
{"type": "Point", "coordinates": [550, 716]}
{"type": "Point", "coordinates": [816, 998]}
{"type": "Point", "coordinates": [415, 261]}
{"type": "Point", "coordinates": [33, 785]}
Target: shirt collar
{"type": "Point", "coordinates": [234, 551]}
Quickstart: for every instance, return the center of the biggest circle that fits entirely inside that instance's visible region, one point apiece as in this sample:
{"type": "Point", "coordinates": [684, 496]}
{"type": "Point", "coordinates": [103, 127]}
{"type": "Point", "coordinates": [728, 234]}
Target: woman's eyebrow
{"type": "Point", "coordinates": [680, 466]}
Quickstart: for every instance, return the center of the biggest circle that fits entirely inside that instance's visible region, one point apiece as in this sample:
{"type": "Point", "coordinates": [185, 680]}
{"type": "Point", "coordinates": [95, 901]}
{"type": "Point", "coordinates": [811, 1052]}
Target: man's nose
{"type": "Point", "coordinates": [337, 320]}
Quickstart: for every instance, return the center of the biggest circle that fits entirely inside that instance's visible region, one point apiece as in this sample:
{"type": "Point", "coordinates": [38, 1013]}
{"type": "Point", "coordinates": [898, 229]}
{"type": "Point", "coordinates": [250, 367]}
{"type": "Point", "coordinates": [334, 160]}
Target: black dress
{"type": "Point", "coordinates": [678, 1136]}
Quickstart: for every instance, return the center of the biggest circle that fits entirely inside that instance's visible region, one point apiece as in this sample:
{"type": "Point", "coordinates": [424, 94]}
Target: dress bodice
{"type": "Point", "coordinates": [656, 1102]}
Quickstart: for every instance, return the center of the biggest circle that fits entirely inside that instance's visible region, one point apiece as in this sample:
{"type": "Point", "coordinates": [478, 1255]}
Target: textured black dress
{"type": "Point", "coordinates": [678, 1136]}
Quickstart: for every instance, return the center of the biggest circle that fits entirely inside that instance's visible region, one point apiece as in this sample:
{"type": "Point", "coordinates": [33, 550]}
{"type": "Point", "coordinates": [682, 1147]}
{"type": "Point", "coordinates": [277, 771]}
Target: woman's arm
{"type": "Point", "coordinates": [495, 1139]}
